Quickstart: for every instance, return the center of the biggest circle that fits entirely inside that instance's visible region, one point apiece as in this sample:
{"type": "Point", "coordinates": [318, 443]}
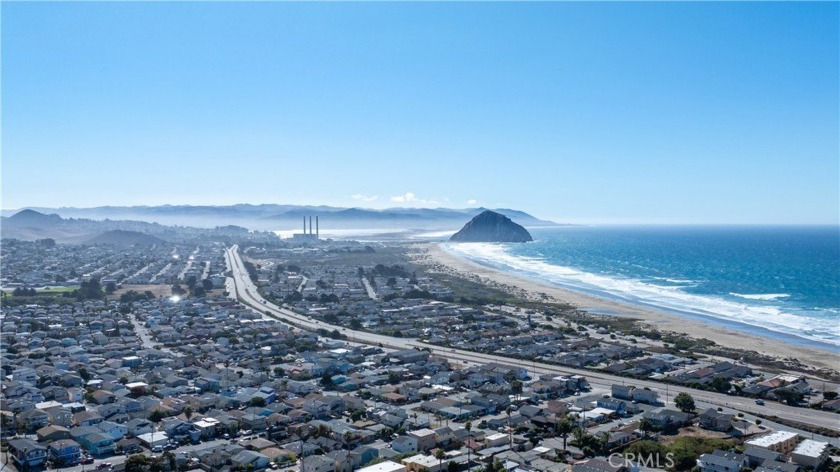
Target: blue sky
{"type": "Point", "coordinates": [598, 112]}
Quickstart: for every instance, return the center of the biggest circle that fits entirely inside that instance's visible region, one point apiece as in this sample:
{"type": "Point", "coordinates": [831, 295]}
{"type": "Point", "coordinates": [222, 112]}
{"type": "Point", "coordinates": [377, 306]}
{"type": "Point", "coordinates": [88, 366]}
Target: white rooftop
{"type": "Point", "coordinates": [810, 448]}
{"type": "Point", "coordinates": [421, 433]}
{"type": "Point", "coordinates": [387, 466]}
{"type": "Point", "coordinates": [428, 462]}
{"type": "Point", "coordinates": [770, 439]}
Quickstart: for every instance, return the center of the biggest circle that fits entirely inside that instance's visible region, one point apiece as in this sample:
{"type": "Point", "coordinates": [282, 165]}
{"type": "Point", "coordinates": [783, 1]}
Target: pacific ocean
{"type": "Point", "coordinates": [777, 280]}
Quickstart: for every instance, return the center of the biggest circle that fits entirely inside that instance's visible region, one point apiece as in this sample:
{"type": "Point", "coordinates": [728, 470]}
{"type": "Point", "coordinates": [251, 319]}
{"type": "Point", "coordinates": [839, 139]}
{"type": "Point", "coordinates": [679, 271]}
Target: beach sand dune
{"type": "Point", "coordinates": [663, 321]}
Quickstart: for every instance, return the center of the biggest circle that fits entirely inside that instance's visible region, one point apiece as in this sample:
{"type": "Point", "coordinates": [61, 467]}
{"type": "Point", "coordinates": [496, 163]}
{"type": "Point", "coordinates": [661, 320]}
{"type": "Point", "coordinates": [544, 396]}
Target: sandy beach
{"type": "Point", "coordinates": [663, 321]}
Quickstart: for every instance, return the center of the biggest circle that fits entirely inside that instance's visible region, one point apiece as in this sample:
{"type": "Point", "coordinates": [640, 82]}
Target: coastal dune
{"type": "Point", "coordinates": [661, 320]}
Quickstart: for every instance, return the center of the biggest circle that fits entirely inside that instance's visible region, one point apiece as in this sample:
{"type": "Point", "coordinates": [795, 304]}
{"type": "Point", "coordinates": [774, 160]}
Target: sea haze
{"type": "Point", "coordinates": [781, 281]}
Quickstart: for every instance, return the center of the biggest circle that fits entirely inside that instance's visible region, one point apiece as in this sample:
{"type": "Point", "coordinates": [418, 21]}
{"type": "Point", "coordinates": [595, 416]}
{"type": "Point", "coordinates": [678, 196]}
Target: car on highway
{"type": "Point", "coordinates": [759, 402]}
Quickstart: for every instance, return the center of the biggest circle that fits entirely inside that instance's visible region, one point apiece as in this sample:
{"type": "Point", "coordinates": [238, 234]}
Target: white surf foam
{"type": "Point", "coordinates": [673, 298]}
{"type": "Point", "coordinates": [760, 296]}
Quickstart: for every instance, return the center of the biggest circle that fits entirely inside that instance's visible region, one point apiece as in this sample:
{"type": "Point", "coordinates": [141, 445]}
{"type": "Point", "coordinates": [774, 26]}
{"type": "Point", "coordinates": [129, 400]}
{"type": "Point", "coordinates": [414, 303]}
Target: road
{"type": "Point", "coordinates": [371, 293]}
{"type": "Point", "coordinates": [247, 293]}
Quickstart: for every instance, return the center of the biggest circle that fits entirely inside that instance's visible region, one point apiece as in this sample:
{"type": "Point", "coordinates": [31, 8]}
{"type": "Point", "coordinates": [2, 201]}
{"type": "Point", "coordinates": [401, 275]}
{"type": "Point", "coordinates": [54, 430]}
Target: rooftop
{"type": "Point", "coordinates": [772, 438]}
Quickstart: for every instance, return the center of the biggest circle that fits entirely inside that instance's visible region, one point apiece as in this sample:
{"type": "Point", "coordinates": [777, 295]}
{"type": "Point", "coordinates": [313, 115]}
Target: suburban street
{"type": "Point", "coordinates": [246, 292]}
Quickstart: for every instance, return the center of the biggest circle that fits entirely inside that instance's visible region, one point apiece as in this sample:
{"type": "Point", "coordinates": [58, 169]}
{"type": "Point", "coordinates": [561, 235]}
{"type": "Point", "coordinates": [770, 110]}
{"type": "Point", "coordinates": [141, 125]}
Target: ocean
{"type": "Point", "coordinates": [782, 282]}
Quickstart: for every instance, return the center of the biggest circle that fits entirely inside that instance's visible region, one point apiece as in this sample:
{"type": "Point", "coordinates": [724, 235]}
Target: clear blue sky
{"type": "Point", "coordinates": [605, 112]}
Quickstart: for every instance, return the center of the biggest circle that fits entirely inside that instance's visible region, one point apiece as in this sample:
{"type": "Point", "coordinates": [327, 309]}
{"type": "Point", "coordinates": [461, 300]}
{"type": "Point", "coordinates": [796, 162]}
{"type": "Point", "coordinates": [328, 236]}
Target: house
{"type": "Point", "coordinates": [87, 418]}
{"type": "Point", "coordinates": [251, 460]}
{"type": "Point", "coordinates": [667, 418]}
{"type": "Point", "coordinates": [154, 439]}
{"type": "Point", "coordinates": [624, 392]}
{"type": "Point", "coordinates": [722, 461]}
{"type": "Point", "coordinates": [715, 420]}
{"type": "Point", "coordinates": [53, 433]}
{"type": "Point", "coordinates": [599, 465]}
{"type": "Point", "coordinates": [99, 444]}
{"type": "Point", "coordinates": [114, 430]}
{"type": "Point", "coordinates": [422, 462]}
{"type": "Point", "coordinates": [425, 439]}
{"type": "Point", "coordinates": [27, 453]}
{"type": "Point", "coordinates": [645, 395]}
{"type": "Point", "coordinates": [129, 445]}
{"type": "Point", "coordinates": [404, 444]}
{"type": "Point", "coordinates": [65, 452]}
{"type": "Point", "coordinates": [758, 456]}
{"type": "Point", "coordinates": [33, 419]}
{"type": "Point", "coordinates": [139, 426]}
{"type": "Point", "coordinates": [618, 406]}
{"type": "Point", "coordinates": [60, 416]}
{"type": "Point", "coordinates": [810, 453]}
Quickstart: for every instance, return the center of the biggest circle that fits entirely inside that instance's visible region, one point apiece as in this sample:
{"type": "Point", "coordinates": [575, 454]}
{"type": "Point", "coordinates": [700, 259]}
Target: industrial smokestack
{"type": "Point", "coordinates": [304, 225]}
{"type": "Point", "coordinates": [317, 232]}
{"type": "Point", "coordinates": [310, 225]}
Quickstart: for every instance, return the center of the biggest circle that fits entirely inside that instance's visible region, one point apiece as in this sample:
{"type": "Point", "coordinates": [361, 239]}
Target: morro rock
{"type": "Point", "coordinates": [491, 227]}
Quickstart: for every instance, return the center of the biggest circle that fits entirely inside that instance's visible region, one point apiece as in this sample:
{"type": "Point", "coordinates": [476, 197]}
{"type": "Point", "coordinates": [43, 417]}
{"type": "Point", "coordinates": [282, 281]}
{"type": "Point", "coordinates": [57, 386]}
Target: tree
{"type": "Point", "coordinates": [720, 384]}
{"type": "Point", "coordinates": [188, 412]}
{"type": "Point", "coordinates": [439, 455]}
{"type": "Point", "coordinates": [468, 427]}
{"type": "Point", "coordinates": [685, 402]}
{"type": "Point", "coordinates": [564, 427]}
{"type": "Point", "coordinates": [789, 396]}
{"type": "Point", "coordinates": [207, 284]}
{"type": "Point", "coordinates": [516, 388]}
{"type": "Point", "coordinates": [829, 395]}
{"type": "Point", "coordinates": [646, 426]}
{"type": "Point", "coordinates": [257, 401]}
{"type": "Point", "coordinates": [110, 288]}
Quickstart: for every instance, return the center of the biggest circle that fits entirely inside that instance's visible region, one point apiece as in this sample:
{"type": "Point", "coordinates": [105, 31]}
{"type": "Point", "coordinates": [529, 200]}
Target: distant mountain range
{"type": "Point", "coordinates": [288, 217]}
{"type": "Point", "coordinates": [31, 225]}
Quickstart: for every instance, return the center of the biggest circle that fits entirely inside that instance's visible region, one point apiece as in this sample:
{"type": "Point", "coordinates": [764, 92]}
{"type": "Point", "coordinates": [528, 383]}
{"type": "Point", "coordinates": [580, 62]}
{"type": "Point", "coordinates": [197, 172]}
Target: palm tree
{"type": "Point", "coordinates": [563, 428]}
{"type": "Point", "coordinates": [468, 427]}
{"type": "Point", "coordinates": [439, 455]}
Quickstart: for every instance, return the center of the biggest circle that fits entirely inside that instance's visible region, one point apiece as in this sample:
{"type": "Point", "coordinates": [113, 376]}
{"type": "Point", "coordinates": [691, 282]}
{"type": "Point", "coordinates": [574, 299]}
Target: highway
{"type": "Point", "coordinates": [247, 293]}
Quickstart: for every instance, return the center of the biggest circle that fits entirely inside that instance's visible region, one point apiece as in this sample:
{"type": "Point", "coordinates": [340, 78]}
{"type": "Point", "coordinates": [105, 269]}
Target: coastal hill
{"type": "Point", "coordinates": [491, 227]}
{"type": "Point", "coordinates": [274, 217]}
{"type": "Point", "coordinates": [30, 225]}
{"type": "Point", "coordinates": [120, 237]}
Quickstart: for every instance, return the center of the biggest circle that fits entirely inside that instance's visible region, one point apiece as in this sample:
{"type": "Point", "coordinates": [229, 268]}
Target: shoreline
{"type": "Point", "coordinates": [662, 320]}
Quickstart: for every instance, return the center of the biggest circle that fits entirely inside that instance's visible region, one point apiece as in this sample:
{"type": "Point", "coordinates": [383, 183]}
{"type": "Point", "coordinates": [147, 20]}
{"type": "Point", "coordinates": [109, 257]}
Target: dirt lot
{"type": "Point", "coordinates": [693, 431]}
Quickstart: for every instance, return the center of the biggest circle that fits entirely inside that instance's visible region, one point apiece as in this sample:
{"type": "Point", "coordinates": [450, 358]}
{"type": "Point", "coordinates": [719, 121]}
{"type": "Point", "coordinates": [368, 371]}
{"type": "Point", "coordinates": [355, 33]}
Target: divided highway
{"type": "Point", "coordinates": [247, 293]}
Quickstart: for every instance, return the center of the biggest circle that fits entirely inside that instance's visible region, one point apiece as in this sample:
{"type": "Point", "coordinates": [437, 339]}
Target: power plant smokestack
{"type": "Point", "coordinates": [317, 233]}
{"type": "Point", "coordinates": [310, 225]}
{"type": "Point", "coordinates": [304, 225]}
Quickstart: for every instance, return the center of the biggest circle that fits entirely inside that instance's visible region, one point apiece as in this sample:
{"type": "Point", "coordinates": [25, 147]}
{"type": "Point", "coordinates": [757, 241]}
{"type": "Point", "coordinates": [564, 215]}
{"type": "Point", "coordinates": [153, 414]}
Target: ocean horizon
{"type": "Point", "coordinates": [781, 282]}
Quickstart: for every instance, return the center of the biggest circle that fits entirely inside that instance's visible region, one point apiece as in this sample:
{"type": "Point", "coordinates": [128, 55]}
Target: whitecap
{"type": "Point", "coordinates": [814, 328]}
{"type": "Point", "coordinates": [760, 296]}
